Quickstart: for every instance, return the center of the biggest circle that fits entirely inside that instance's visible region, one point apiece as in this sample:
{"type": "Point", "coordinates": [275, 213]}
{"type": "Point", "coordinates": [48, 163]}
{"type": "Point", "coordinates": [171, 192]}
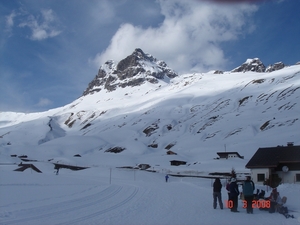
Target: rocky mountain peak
{"type": "Point", "coordinates": [254, 65]}
{"type": "Point", "coordinates": [133, 70]}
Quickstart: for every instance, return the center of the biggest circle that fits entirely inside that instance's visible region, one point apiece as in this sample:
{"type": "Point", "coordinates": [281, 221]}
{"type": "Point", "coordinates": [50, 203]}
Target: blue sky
{"type": "Point", "coordinates": [51, 50]}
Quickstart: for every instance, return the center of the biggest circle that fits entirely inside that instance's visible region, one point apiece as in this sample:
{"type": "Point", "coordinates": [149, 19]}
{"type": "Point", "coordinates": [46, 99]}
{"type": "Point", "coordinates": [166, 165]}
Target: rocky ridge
{"type": "Point", "coordinates": [140, 67]}
{"type": "Point", "coordinates": [256, 65]}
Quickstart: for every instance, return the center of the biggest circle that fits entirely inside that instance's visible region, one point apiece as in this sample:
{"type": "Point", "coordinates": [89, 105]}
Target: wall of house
{"type": "Point", "coordinates": [288, 177]}
{"type": "Point", "coordinates": [255, 172]}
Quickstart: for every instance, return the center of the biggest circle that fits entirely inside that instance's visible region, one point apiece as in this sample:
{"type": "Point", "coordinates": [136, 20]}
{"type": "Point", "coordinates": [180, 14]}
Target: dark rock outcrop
{"type": "Point", "coordinates": [115, 149]}
{"type": "Point", "coordinates": [218, 72]}
{"type": "Point", "coordinates": [254, 65]}
{"type": "Point", "coordinates": [150, 129]}
{"type": "Point", "coordinates": [276, 66]}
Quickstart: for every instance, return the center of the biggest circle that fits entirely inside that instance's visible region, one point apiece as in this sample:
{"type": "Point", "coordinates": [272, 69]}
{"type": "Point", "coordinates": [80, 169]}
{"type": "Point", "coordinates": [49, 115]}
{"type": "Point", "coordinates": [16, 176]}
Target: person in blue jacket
{"type": "Point", "coordinates": [248, 189]}
{"type": "Point", "coordinates": [167, 177]}
{"type": "Point", "coordinates": [234, 193]}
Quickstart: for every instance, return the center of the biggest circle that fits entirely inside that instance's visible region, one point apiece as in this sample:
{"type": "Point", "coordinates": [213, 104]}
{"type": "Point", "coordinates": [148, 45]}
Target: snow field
{"type": "Point", "coordinates": [121, 196]}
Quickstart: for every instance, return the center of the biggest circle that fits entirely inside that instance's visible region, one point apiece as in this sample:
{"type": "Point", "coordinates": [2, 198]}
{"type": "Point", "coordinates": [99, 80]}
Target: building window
{"type": "Point", "coordinates": [260, 177]}
{"type": "Point", "coordinates": [298, 177]}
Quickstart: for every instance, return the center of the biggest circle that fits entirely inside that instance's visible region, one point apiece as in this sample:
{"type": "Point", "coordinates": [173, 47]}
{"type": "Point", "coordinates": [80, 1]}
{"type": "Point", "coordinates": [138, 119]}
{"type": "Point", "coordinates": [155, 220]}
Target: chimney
{"type": "Point", "coordinates": [289, 144]}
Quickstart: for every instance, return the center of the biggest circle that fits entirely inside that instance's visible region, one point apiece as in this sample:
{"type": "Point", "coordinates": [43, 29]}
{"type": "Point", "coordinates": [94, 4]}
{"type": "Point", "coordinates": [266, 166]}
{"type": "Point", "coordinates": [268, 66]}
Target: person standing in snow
{"type": "Point", "coordinates": [234, 193]}
{"type": "Point", "coordinates": [228, 190]}
{"type": "Point", "coordinates": [167, 177]}
{"type": "Point", "coordinates": [248, 189]}
{"type": "Point", "coordinates": [217, 186]}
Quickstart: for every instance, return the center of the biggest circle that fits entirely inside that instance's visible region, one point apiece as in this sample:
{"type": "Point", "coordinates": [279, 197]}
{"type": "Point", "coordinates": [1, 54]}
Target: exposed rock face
{"type": "Point", "coordinates": [115, 149]}
{"type": "Point", "coordinates": [218, 72]}
{"type": "Point", "coordinates": [134, 70]}
{"type": "Point", "coordinates": [276, 66]}
{"type": "Point", "coordinates": [254, 65]}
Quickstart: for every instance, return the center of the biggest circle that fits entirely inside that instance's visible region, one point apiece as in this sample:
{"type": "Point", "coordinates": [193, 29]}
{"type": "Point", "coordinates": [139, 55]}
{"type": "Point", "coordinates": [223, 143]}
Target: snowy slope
{"type": "Point", "coordinates": [197, 113]}
{"type": "Point", "coordinates": [193, 115]}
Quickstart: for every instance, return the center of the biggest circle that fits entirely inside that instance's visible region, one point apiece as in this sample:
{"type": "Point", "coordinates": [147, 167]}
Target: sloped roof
{"type": "Point", "coordinates": [272, 156]}
{"type": "Point", "coordinates": [26, 166]}
{"type": "Point", "coordinates": [58, 166]}
{"type": "Point", "coordinates": [225, 154]}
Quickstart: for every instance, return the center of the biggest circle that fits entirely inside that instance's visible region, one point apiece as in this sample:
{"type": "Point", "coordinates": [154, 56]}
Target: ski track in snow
{"type": "Point", "coordinates": [124, 201]}
{"type": "Point", "coordinates": [87, 204]}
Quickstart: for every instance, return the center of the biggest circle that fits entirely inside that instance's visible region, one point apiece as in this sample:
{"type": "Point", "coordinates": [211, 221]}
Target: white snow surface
{"type": "Point", "coordinates": [118, 196]}
{"type": "Point", "coordinates": [200, 114]}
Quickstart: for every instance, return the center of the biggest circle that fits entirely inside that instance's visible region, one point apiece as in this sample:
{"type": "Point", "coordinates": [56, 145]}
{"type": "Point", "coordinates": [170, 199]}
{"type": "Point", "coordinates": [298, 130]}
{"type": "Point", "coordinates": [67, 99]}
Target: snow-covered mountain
{"type": "Point", "coordinates": [138, 109]}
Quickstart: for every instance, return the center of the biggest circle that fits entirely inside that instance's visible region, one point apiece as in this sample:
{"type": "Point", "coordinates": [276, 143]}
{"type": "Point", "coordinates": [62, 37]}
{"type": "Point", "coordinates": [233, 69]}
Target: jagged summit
{"type": "Point", "coordinates": [133, 70]}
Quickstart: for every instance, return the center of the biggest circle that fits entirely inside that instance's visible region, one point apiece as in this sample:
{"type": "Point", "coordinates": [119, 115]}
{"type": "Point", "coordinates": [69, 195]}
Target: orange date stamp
{"type": "Point", "coordinates": [264, 204]}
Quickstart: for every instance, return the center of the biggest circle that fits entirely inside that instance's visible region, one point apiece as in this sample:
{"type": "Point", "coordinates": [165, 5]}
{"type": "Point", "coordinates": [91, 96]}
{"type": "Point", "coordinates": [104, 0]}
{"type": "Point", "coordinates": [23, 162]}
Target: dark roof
{"type": "Point", "coordinates": [178, 161]}
{"type": "Point", "coordinates": [26, 166]}
{"type": "Point", "coordinates": [272, 156]}
{"type": "Point", "coordinates": [58, 166]}
{"type": "Point", "coordinates": [227, 153]}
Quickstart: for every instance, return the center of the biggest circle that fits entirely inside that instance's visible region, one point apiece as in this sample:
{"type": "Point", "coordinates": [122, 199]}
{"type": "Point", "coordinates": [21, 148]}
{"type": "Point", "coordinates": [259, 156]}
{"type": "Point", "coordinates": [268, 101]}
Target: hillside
{"type": "Point", "coordinates": [135, 110]}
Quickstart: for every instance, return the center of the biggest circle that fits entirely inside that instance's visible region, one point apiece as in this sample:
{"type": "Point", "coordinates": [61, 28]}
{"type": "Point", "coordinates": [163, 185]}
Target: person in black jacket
{"type": "Point", "coordinates": [234, 193]}
{"type": "Point", "coordinates": [227, 188]}
{"type": "Point", "coordinates": [217, 186]}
